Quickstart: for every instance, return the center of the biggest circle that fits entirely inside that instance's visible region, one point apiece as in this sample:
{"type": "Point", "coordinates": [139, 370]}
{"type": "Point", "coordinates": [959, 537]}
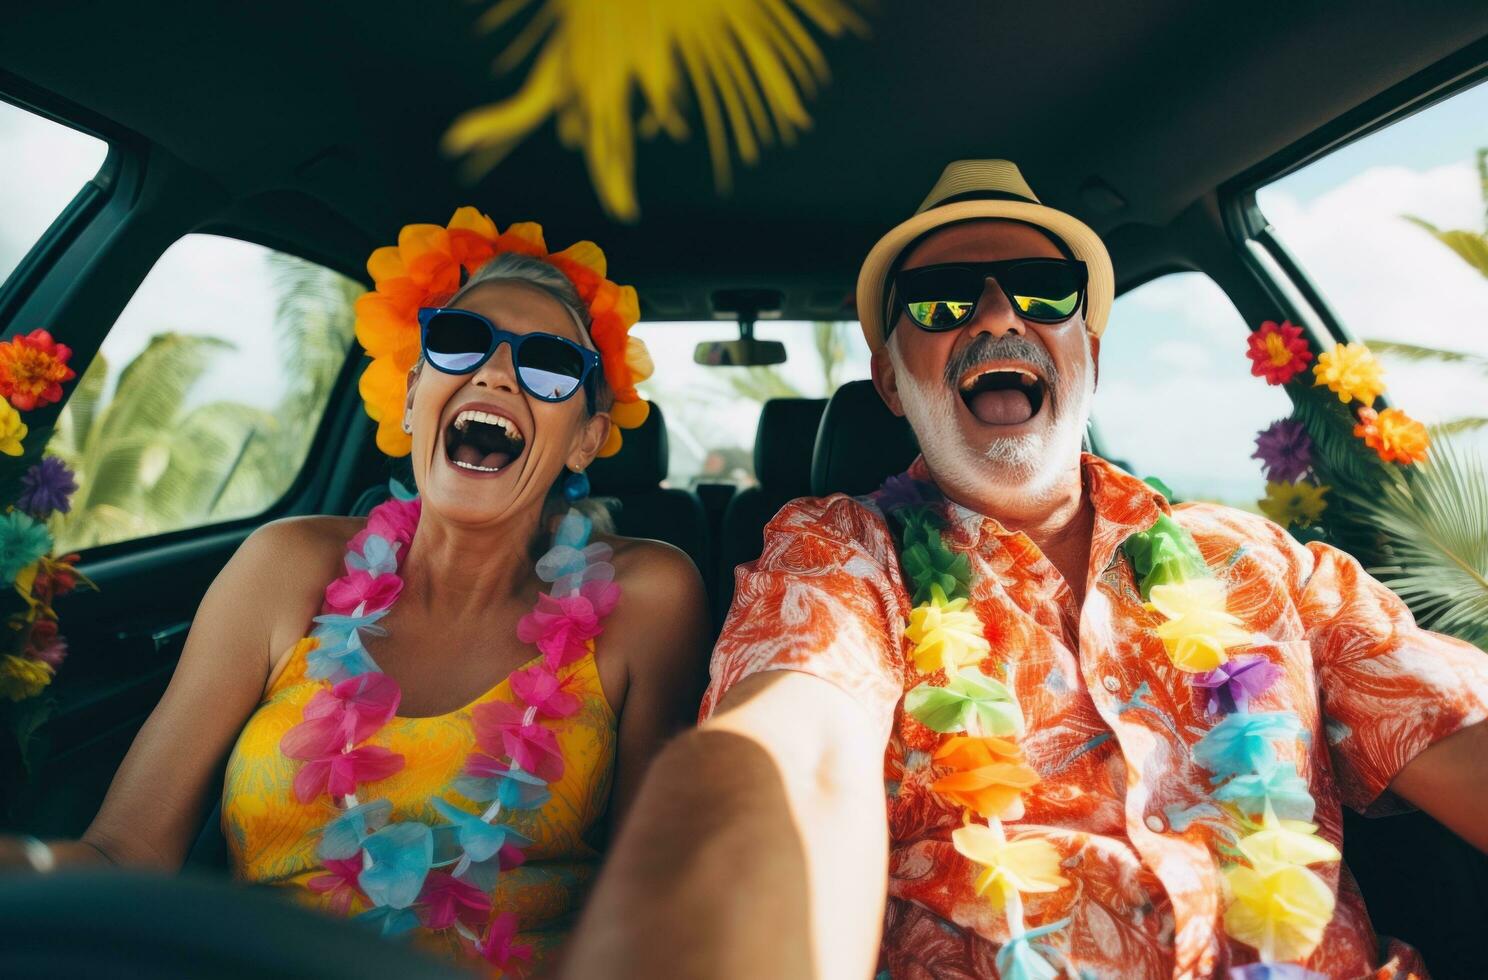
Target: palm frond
{"type": "Point", "coordinates": [1434, 522]}
{"type": "Point", "coordinates": [1471, 424]}
{"type": "Point", "coordinates": [1470, 246]}
{"type": "Point", "coordinates": [601, 63]}
{"type": "Point", "coordinates": [1416, 352]}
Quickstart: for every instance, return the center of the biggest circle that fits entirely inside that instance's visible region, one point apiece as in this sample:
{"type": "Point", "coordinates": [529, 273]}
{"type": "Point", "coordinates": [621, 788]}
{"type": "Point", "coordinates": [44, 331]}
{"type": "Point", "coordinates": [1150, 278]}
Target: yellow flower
{"type": "Point", "coordinates": [1281, 842]}
{"type": "Point", "coordinates": [947, 635]}
{"type": "Point", "coordinates": [1280, 909]}
{"type": "Point", "coordinates": [1351, 371]}
{"type": "Point", "coordinates": [1028, 865]}
{"type": "Point", "coordinates": [22, 677]}
{"type": "Point", "coordinates": [12, 429]}
{"type": "Point", "coordinates": [1198, 629]}
{"type": "Point", "coordinates": [1293, 503]}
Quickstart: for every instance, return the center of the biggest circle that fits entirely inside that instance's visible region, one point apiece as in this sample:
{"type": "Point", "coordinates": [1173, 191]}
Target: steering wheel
{"type": "Point", "coordinates": [127, 924]}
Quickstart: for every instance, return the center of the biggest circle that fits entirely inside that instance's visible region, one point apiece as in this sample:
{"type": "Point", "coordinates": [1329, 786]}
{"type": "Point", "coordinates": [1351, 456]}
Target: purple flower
{"type": "Point", "coordinates": [1273, 971]}
{"type": "Point", "coordinates": [1231, 685]}
{"type": "Point", "coordinates": [46, 487]}
{"type": "Point", "coordinates": [901, 491]}
{"type": "Point", "coordinates": [1285, 451]}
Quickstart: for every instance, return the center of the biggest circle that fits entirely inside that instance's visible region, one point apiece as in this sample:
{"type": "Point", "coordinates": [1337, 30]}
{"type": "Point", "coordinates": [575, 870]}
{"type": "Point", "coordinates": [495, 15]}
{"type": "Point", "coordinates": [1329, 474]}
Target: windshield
{"type": "Point", "coordinates": [711, 412]}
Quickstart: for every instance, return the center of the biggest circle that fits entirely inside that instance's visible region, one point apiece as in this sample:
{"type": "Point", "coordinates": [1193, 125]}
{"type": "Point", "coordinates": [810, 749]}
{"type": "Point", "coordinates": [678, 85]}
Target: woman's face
{"type": "Point", "coordinates": [483, 449]}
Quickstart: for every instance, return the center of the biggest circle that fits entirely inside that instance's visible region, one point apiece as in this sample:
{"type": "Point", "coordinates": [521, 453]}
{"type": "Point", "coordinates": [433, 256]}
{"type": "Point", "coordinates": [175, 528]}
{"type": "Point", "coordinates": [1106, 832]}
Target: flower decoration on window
{"type": "Point", "coordinates": [427, 267]}
{"type": "Point", "coordinates": [1352, 372]}
{"type": "Point", "coordinates": [1278, 352]}
{"type": "Point", "coordinates": [1294, 504]}
{"type": "Point", "coordinates": [33, 368]}
{"type": "Point", "coordinates": [1285, 451]}
{"type": "Point", "coordinates": [1394, 435]}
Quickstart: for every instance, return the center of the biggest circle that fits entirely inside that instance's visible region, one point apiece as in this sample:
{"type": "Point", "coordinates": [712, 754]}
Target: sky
{"type": "Point", "coordinates": [1176, 399]}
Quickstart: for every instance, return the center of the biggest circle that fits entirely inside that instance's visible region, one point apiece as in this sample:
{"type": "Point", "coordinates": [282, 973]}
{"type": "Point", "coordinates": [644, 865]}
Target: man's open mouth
{"type": "Point", "coordinates": [1004, 396]}
{"type": "Point", "coordinates": [482, 442]}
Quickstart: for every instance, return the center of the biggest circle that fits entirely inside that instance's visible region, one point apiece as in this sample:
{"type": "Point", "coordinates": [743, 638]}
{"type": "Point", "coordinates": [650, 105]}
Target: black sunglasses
{"type": "Point", "coordinates": [943, 297]}
{"type": "Point", "coordinates": [549, 367]}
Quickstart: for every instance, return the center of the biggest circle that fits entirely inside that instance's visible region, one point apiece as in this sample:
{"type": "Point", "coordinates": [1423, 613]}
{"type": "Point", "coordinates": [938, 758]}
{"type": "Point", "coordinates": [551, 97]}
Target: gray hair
{"type": "Point", "coordinates": [516, 267]}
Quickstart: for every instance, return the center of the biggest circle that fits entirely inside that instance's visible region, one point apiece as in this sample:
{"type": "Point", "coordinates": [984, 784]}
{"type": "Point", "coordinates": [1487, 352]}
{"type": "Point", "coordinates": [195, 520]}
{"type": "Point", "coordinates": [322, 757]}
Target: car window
{"type": "Point", "coordinates": [202, 403]}
{"type": "Point", "coordinates": [1393, 230]}
{"type": "Point", "coordinates": [1176, 399]}
{"type": "Point", "coordinates": [711, 412]}
{"type": "Point", "coordinates": [43, 165]}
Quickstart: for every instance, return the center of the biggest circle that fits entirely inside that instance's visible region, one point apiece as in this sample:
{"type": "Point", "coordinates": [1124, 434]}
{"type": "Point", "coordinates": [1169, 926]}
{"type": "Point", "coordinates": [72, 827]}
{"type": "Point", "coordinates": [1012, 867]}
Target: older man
{"type": "Point", "coordinates": [1115, 735]}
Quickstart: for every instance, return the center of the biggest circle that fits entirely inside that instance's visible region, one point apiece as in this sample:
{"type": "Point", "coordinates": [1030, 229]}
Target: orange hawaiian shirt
{"type": "Point", "coordinates": [1111, 723]}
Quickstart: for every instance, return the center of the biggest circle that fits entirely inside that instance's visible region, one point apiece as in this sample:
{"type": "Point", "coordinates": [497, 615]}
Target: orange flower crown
{"type": "Point", "coordinates": [427, 267]}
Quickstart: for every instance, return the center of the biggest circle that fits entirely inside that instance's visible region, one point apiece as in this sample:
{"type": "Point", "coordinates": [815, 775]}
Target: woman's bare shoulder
{"type": "Point", "coordinates": [650, 565]}
{"type": "Point", "coordinates": [284, 566]}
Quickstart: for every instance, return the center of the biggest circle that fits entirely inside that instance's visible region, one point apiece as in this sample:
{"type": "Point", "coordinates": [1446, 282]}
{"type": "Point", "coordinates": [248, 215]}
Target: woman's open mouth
{"type": "Point", "coordinates": [482, 442]}
{"type": "Point", "coordinates": [1004, 396]}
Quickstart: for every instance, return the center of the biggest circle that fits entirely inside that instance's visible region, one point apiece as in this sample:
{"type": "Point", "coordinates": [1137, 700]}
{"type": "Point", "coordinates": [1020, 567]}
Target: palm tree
{"type": "Point", "coordinates": [1472, 248]}
{"type": "Point", "coordinates": [149, 461]}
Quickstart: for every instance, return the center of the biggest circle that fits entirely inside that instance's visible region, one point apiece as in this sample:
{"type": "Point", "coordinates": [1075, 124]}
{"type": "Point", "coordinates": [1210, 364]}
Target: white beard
{"type": "Point", "coordinates": [1029, 463]}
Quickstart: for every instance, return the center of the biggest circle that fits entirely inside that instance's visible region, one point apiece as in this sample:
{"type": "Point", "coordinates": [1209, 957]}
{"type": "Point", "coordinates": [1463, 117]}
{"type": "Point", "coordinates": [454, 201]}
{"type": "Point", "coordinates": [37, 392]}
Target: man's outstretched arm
{"type": "Point", "coordinates": [758, 846]}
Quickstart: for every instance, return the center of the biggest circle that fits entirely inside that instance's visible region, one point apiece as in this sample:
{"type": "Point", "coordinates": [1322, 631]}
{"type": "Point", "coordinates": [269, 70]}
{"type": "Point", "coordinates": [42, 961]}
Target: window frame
{"type": "Point", "coordinates": [342, 420]}
{"type": "Point", "coordinates": [81, 209]}
{"type": "Point", "coordinates": [1261, 250]}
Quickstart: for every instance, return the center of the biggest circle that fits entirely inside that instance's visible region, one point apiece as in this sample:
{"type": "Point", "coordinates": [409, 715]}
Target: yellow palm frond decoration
{"type": "Point", "coordinates": [748, 63]}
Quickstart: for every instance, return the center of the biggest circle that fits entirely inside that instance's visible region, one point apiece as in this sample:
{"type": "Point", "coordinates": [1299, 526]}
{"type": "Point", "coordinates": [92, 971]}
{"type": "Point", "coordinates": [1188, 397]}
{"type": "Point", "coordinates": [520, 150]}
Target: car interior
{"type": "Point", "coordinates": [314, 130]}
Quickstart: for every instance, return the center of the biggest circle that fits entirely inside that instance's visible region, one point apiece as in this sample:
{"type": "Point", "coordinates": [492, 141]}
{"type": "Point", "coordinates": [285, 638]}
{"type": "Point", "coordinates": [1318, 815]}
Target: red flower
{"type": "Point", "coordinates": [339, 774]}
{"type": "Point", "coordinates": [1279, 352]}
{"type": "Point", "coordinates": [340, 881]}
{"type": "Point", "coordinates": [46, 644]}
{"type": "Point", "coordinates": [32, 369]}
{"type": "Point", "coordinates": [498, 947]}
{"type": "Point", "coordinates": [447, 900]}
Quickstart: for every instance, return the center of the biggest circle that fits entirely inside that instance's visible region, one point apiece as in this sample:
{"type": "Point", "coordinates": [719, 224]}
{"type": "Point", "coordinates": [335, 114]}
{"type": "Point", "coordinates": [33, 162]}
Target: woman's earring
{"type": "Point", "coordinates": [575, 486]}
{"type": "Point", "coordinates": [407, 427]}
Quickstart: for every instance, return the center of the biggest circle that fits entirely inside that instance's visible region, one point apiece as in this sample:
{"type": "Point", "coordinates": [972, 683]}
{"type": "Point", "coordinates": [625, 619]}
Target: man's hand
{"type": "Point", "coordinates": [758, 846]}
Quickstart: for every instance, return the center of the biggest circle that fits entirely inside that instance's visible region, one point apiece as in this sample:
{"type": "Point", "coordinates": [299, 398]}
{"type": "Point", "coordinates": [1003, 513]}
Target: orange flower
{"type": "Point", "coordinates": [1396, 436]}
{"type": "Point", "coordinates": [32, 369]}
{"type": "Point", "coordinates": [988, 775]}
{"type": "Point", "coordinates": [426, 268]}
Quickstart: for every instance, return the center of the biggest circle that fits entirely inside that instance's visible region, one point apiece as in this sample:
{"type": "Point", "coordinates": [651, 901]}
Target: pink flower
{"type": "Point", "coordinates": [532, 747]}
{"type": "Point", "coordinates": [354, 588]}
{"type": "Point", "coordinates": [46, 644]}
{"type": "Point", "coordinates": [498, 947]}
{"type": "Point", "coordinates": [339, 773]}
{"type": "Point", "coordinates": [509, 856]}
{"type": "Point", "coordinates": [340, 881]}
{"type": "Point", "coordinates": [395, 520]}
{"type": "Point", "coordinates": [346, 714]}
{"type": "Point", "coordinates": [540, 688]}
{"type": "Point", "coordinates": [563, 627]}
{"type": "Point", "coordinates": [446, 900]}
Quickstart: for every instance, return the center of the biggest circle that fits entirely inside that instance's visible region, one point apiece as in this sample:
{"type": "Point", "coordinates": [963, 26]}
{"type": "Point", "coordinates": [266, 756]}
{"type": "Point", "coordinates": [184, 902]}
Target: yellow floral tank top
{"type": "Point", "coordinates": [272, 837]}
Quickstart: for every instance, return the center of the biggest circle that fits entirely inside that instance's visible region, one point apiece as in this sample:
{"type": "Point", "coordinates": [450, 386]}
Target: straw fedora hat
{"type": "Point", "coordinates": [983, 189]}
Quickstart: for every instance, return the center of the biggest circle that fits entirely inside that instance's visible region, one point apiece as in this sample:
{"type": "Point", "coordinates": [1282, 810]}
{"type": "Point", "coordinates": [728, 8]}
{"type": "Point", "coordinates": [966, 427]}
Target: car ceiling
{"type": "Point", "coordinates": [321, 121]}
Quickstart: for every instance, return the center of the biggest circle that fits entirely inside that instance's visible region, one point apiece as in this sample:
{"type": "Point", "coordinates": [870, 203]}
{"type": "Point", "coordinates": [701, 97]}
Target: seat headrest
{"type": "Point", "coordinates": [783, 445]}
{"type": "Point", "coordinates": [860, 443]}
{"type": "Point", "coordinates": [641, 463]}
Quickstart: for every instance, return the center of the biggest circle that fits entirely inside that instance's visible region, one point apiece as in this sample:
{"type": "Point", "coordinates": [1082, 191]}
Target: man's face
{"type": "Point", "coordinates": [999, 401]}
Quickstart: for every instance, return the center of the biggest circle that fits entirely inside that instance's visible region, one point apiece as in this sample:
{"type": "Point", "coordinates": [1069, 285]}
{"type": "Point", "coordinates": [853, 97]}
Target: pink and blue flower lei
{"type": "Point", "coordinates": [411, 873]}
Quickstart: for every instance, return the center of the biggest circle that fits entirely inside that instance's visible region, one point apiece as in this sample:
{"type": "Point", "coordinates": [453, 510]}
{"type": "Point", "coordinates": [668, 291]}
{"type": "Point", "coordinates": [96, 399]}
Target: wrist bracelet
{"type": "Point", "coordinates": [38, 854]}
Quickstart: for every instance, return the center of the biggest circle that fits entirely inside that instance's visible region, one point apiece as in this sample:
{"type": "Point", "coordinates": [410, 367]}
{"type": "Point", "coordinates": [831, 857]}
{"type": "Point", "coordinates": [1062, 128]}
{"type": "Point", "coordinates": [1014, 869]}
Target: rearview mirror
{"type": "Point", "coordinates": [744, 352]}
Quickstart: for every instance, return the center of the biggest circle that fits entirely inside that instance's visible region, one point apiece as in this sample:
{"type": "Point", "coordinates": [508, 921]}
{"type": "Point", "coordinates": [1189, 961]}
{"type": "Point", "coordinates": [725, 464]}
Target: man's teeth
{"type": "Point", "coordinates": [472, 466]}
{"type": "Point", "coordinates": [1027, 378]}
{"type": "Point", "coordinates": [506, 424]}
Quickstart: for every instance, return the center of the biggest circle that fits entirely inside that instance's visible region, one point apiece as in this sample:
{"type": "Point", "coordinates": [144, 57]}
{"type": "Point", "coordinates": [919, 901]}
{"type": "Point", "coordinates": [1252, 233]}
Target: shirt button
{"type": "Point", "coordinates": [1111, 683]}
{"type": "Point", "coordinates": [1154, 823]}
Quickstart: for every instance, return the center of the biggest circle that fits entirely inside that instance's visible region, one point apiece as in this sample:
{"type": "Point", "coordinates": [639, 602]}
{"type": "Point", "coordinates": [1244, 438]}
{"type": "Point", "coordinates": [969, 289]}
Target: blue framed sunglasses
{"type": "Point", "coordinates": [549, 368]}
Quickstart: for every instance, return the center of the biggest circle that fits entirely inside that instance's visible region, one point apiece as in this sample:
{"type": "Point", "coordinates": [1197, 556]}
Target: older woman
{"type": "Point", "coordinates": [435, 740]}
